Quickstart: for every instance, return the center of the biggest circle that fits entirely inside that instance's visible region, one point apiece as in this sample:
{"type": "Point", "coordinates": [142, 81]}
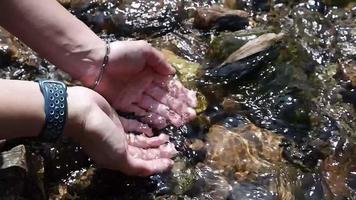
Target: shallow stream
{"type": "Point", "coordinates": [278, 123]}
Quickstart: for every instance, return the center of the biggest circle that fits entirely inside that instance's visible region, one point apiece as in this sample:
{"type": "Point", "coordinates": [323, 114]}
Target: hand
{"type": "Point", "coordinates": [101, 132]}
{"type": "Point", "coordinates": [139, 80]}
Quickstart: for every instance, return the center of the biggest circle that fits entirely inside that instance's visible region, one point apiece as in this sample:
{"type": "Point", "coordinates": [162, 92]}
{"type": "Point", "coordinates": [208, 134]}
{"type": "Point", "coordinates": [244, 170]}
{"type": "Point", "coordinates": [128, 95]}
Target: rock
{"type": "Point", "coordinates": [339, 170]}
{"type": "Point", "coordinates": [251, 158]}
{"type": "Point", "coordinates": [186, 43]}
{"type": "Point", "coordinates": [12, 49]}
{"type": "Point", "coordinates": [259, 44]}
{"type": "Point", "coordinates": [130, 18]}
{"type": "Point", "coordinates": [348, 71]}
{"type": "Point", "coordinates": [254, 5]}
{"type": "Point", "coordinates": [187, 73]}
{"type": "Point", "coordinates": [243, 152]}
{"type": "Point", "coordinates": [7, 48]}
{"type": "Point", "coordinates": [15, 157]}
{"type": "Point", "coordinates": [78, 182]}
{"type": "Point", "coordinates": [224, 44]}
{"type": "Point", "coordinates": [21, 173]}
{"type": "Point", "coordinates": [247, 60]}
{"type": "Point", "coordinates": [220, 19]}
{"type": "Point", "coordinates": [200, 182]}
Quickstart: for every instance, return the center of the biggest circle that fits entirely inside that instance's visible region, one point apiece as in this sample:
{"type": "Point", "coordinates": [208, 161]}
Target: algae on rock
{"type": "Point", "coordinates": [187, 73]}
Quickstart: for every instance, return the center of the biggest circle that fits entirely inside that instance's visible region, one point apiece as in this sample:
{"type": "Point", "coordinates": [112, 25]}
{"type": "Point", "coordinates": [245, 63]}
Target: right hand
{"type": "Point", "coordinates": [95, 125]}
{"type": "Point", "coordinates": [137, 80]}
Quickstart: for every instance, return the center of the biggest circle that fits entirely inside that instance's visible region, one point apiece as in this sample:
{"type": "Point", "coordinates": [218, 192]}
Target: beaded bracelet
{"type": "Point", "coordinates": [55, 98]}
{"type": "Point", "coordinates": [103, 65]}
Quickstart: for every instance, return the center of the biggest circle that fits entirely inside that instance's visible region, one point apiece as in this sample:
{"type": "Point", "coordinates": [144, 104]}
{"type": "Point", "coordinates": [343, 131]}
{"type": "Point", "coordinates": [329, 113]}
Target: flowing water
{"type": "Point", "coordinates": [278, 124]}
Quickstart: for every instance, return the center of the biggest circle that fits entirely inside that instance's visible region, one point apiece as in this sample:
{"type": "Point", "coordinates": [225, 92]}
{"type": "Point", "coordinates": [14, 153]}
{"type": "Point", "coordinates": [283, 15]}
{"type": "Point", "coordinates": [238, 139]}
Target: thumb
{"type": "Point", "coordinates": [157, 62]}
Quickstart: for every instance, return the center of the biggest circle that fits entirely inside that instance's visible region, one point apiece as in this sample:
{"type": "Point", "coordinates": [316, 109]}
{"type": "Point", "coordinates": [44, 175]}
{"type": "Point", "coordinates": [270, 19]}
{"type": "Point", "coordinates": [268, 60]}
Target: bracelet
{"type": "Point", "coordinates": [103, 65]}
{"type": "Point", "coordinates": [55, 96]}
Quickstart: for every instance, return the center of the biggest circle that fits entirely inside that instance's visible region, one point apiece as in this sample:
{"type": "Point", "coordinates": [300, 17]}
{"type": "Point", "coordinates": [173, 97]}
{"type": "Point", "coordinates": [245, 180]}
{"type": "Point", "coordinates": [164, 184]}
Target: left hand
{"type": "Point", "coordinates": [108, 139]}
{"type": "Point", "coordinates": [139, 80]}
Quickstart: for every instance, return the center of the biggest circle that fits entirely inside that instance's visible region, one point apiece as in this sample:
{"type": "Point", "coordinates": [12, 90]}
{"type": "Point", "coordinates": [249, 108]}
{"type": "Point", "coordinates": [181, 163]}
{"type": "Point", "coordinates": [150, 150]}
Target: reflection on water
{"type": "Point", "coordinates": [277, 123]}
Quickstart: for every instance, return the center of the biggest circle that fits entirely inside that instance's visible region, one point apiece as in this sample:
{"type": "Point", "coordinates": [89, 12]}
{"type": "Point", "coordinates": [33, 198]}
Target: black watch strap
{"type": "Point", "coordinates": [56, 109]}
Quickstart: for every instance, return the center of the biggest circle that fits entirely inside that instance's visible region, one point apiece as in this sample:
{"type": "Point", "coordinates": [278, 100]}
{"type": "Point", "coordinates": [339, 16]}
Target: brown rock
{"type": "Point", "coordinates": [243, 152]}
{"type": "Point", "coordinates": [220, 18]}
{"type": "Point", "coordinates": [348, 71]}
{"type": "Point", "coordinates": [259, 44]}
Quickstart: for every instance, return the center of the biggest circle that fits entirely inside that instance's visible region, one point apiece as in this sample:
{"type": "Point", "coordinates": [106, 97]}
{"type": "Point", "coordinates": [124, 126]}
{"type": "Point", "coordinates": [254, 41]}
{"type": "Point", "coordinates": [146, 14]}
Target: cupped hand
{"type": "Point", "coordinates": [109, 140]}
{"type": "Point", "coordinates": [139, 80]}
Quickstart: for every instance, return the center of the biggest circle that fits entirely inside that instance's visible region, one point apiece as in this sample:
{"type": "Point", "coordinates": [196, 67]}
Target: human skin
{"type": "Point", "coordinates": [137, 80]}
{"type": "Point", "coordinates": [92, 122]}
{"type": "Point", "coordinates": [137, 76]}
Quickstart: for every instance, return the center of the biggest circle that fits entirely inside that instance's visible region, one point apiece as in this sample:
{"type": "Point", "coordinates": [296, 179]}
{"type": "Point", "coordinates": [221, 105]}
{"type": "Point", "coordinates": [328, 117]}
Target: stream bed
{"type": "Point", "coordinates": [276, 84]}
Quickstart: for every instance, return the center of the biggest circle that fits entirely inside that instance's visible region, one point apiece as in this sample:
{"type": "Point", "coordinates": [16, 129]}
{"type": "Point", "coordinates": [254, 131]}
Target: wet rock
{"type": "Point", "coordinates": [243, 152]}
{"type": "Point", "coordinates": [21, 174]}
{"type": "Point", "coordinates": [220, 19]}
{"type": "Point", "coordinates": [340, 3]}
{"type": "Point", "coordinates": [259, 44]}
{"type": "Point", "coordinates": [246, 60]}
{"type": "Point", "coordinates": [251, 192]}
{"type": "Point", "coordinates": [12, 49]}
{"type": "Point", "coordinates": [79, 4]}
{"type": "Point", "coordinates": [7, 49]}
{"type": "Point", "coordinates": [255, 5]}
{"type": "Point", "coordinates": [338, 170]}
{"type": "Point", "coordinates": [199, 182]}
{"type": "Point", "coordinates": [224, 44]}
{"type": "Point", "coordinates": [348, 71]}
{"type": "Point", "coordinates": [185, 42]}
{"type": "Point", "coordinates": [131, 18]}
{"type": "Point", "coordinates": [187, 73]}
{"type": "Point", "coordinates": [251, 158]}
{"type": "Point", "coordinates": [15, 157]}
{"type": "Point", "coordinates": [79, 181]}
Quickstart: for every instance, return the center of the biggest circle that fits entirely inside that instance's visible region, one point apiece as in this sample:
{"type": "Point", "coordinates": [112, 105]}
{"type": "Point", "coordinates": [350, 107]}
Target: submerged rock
{"type": "Point", "coordinates": [21, 174]}
{"type": "Point", "coordinates": [255, 5]}
{"type": "Point", "coordinates": [12, 49]}
{"type": "Point", "coordinates": [339, 169]}
{"type": "Point", "coordinates": [187, 73]}
{"type": "Point", "coordinates": [129, 18]}
{"type": "Point", "coordinates": [225, 43]}
{"type": "Point", "coordinates": [7, 49]}
{"type": "Point", "coordinates": [251, 158]}
{"type": "Point", "coordinates": [243, 152]}
{"type": "Point", "coordinates": [199, 181]}
{"type": "Point", "coordinates": [348, 71]}
{"type": "Point", "coordinates": [246, 60]}
{"type": "Point", "coordinates": [259, 44]}
{"type": "Point", "coordinates": [220, 19]}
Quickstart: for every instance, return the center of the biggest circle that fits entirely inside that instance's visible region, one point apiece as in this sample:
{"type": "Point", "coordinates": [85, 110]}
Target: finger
{"type": "Point", "coordinates": [131, 125]}
{"type": "Point", "coordinates": [157, 61]}
{"type": "Point", "coordinates": [163, 151]}
{"type": "Point", "coordinates": [154, 120]}
{"type": "Point", "coordinates": [148, 117]}
{"type": "Point", "coordinates": [153, 105]}
{"type": "Point", "coordinates": [176, 89]}
{"type": "Point", "coordinates": [133, 108]}
{"type": "Point", "coordinates": [142, 141]}
{"type": "Point", "coordinates": [142, 167]}
{"type": "Point", "coordinates": [173, 103]}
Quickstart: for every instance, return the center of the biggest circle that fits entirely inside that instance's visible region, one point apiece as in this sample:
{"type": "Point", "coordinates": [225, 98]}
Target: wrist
{"type": "Point", "coordinates": [80, 105]}
{"type": "Point", "coordinates": [84, 62]}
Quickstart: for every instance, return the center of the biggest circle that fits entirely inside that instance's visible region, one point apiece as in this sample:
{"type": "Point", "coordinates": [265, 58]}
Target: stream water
{"type": "Point", "coordinates": [278, 124]}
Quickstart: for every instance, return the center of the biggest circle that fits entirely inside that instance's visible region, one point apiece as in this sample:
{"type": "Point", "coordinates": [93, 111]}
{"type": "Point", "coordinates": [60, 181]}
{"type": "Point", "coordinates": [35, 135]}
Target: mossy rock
{"type": "Point", "coordinates": [187, 73]}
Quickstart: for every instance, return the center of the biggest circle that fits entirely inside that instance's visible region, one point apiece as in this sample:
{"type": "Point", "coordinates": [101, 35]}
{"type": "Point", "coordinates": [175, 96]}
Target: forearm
{"type": "Point", "coordinates": [21, 109]}
{"type": "Point", "coordinates": [55, 34]}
